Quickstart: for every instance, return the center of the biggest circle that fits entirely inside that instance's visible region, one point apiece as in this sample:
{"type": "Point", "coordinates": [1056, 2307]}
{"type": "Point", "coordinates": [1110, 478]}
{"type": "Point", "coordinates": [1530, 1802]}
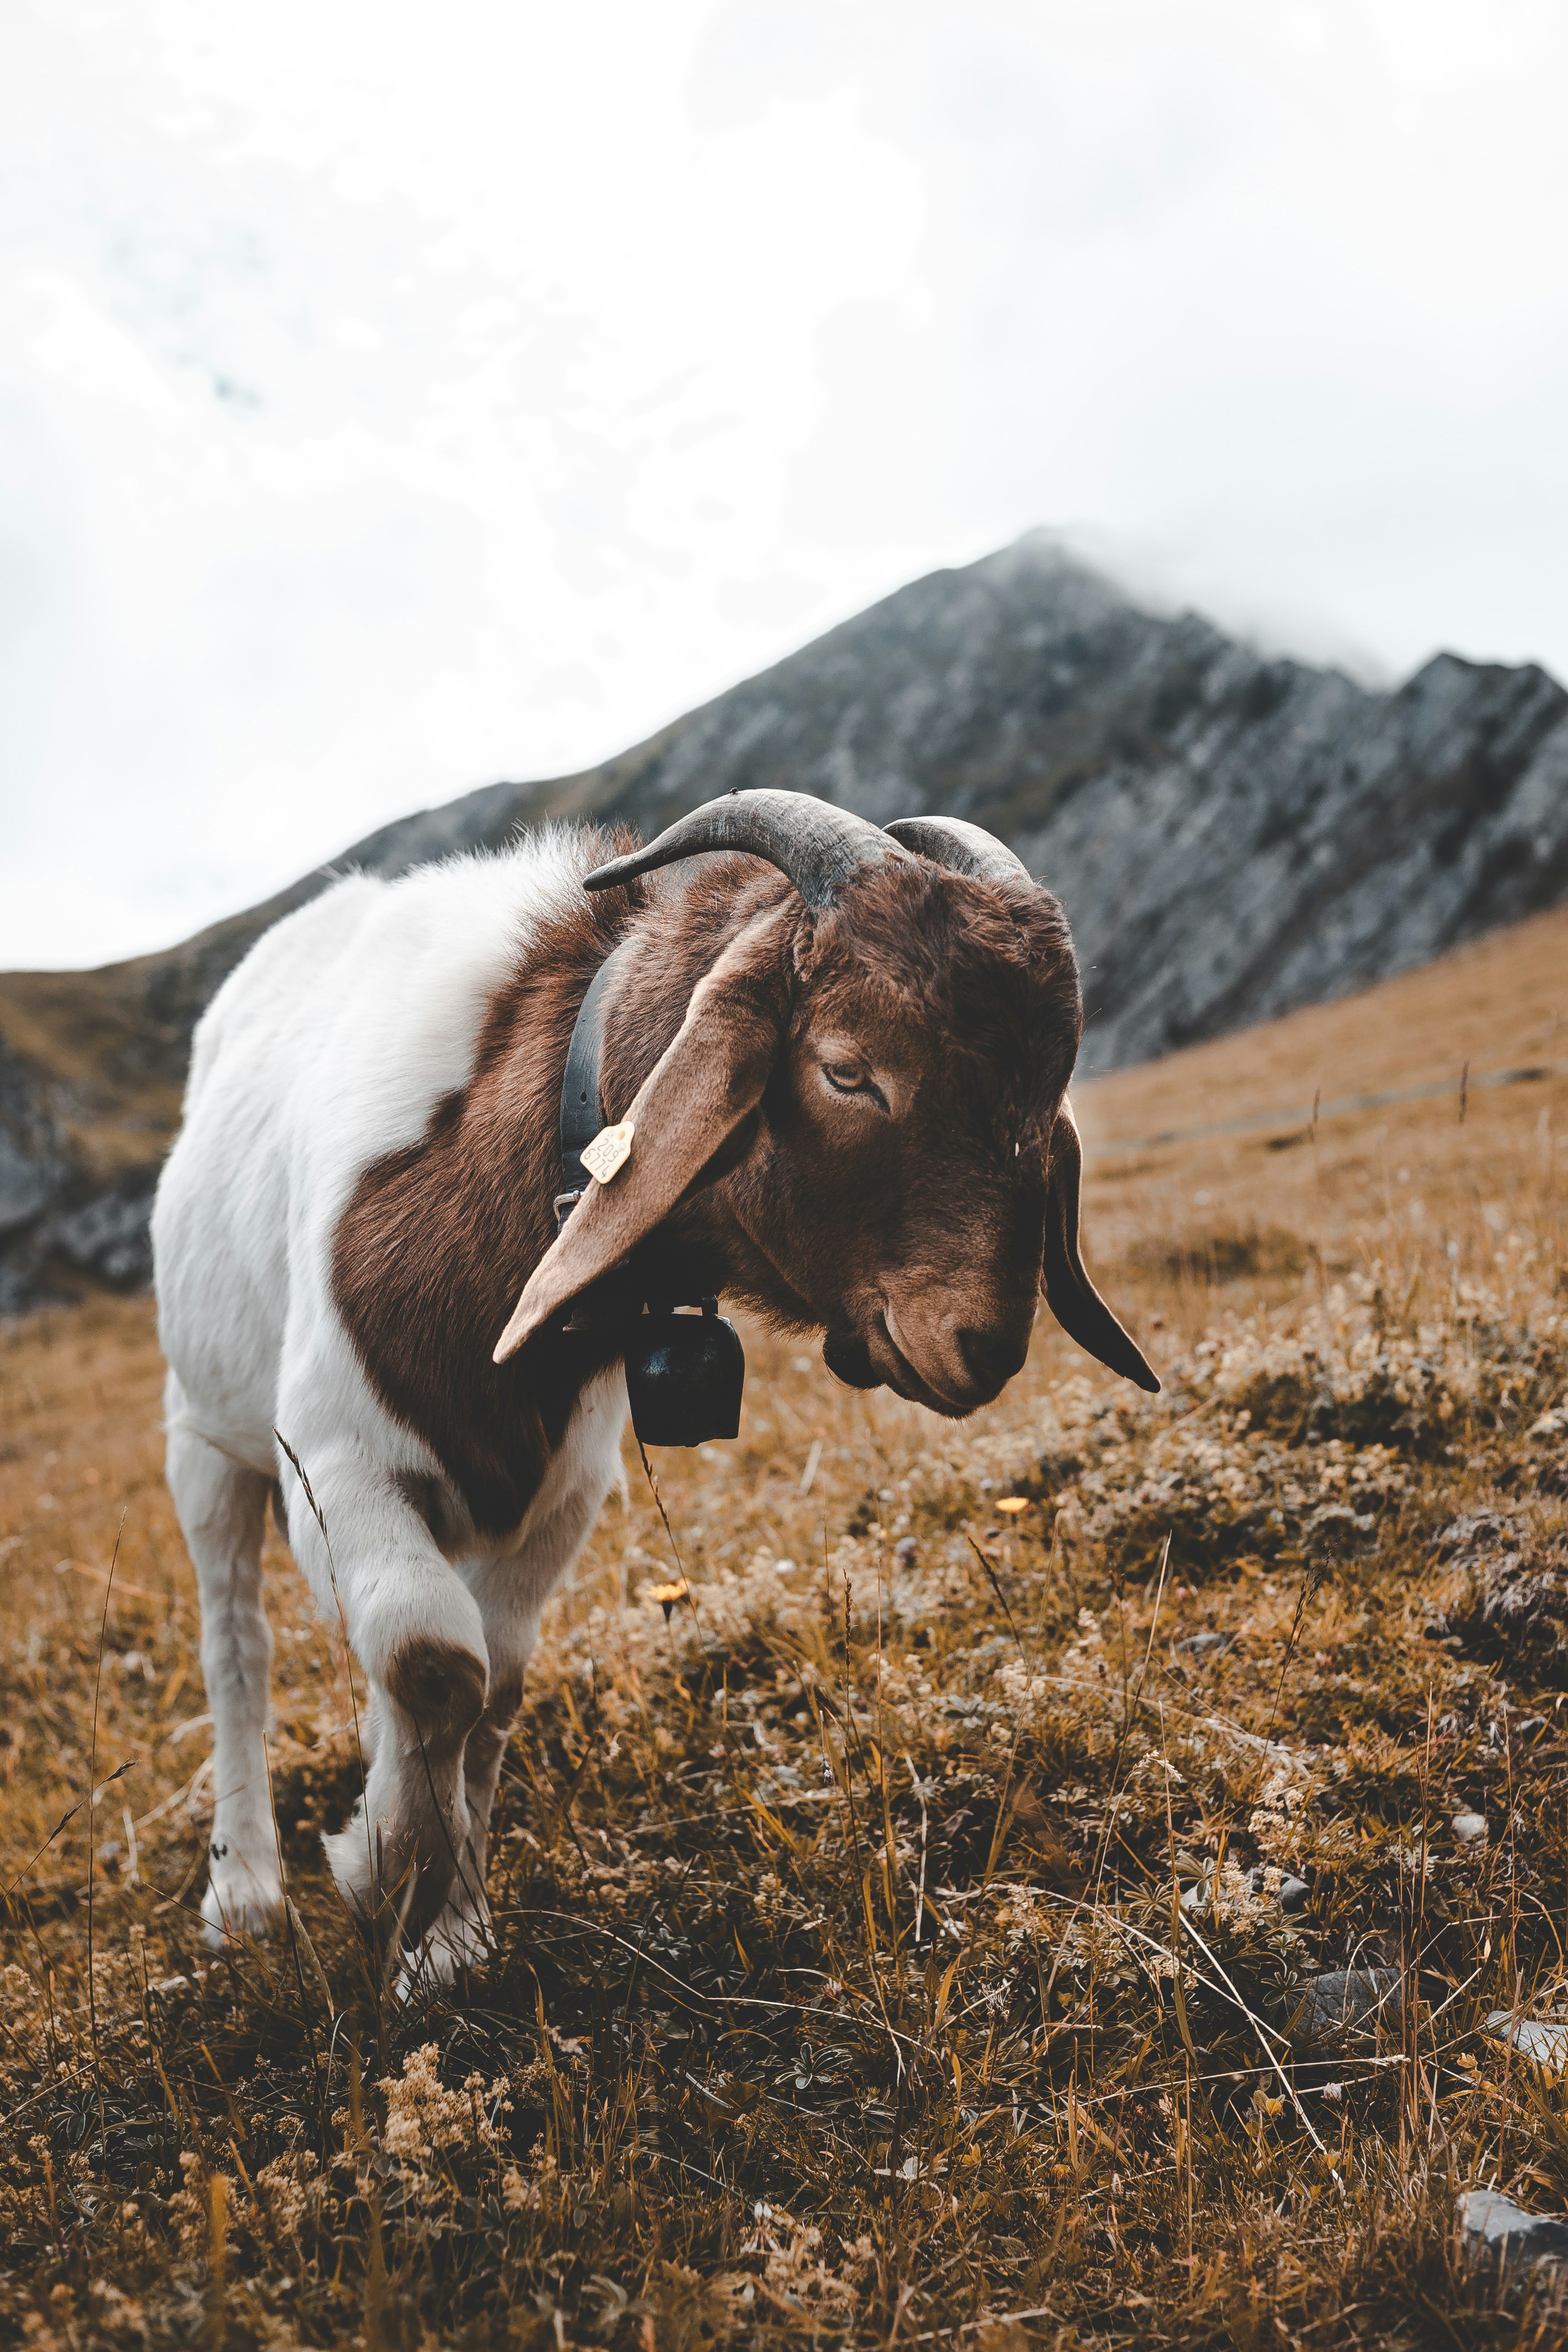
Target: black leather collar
{"type": "Point", "coordinates": [581, 1111]}
{"type": "Point", "coordinates": [684, 1372]}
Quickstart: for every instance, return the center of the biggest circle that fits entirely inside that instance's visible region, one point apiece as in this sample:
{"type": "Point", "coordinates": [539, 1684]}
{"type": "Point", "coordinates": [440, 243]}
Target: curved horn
{"type": "Point", "coordinates": [967, 848]}
{"type": "Point", "coordinates": [820, 847]}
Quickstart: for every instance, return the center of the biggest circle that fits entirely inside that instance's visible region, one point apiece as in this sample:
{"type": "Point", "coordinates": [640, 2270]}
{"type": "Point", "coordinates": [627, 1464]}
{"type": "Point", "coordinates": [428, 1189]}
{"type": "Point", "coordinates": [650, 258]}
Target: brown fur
{"type": "Point", "coordinates": [750, 1178]}
{"type": "Point", "coordinates": [441, 1687]}
{"type": "Point", "coordinates": [435, 1239]}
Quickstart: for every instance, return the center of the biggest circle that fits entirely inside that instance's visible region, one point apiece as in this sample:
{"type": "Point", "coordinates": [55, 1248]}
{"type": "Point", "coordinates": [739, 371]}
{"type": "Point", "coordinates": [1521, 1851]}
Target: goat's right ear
{"type": "Point", "coordinates": [706, 1081]}
{"type": "Point", "coordinates": [1072, 1298]}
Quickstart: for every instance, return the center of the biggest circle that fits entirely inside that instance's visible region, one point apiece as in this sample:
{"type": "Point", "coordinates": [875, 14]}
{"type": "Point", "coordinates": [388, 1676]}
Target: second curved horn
{"type": "Point", "coordinates": [966, 848]}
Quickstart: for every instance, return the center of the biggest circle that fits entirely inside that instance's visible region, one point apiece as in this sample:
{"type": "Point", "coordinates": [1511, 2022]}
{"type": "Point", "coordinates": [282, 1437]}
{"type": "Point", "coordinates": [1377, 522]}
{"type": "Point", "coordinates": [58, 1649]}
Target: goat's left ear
{"type": "Point", "coordinates": [706, 1081]}
{"type": "Point", "coordinates": [1072, 1298]}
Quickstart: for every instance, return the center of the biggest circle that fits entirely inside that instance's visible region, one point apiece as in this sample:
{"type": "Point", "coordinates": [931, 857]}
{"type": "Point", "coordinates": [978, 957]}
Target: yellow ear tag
{"type": "Point", "coordinates": [610, 1150]}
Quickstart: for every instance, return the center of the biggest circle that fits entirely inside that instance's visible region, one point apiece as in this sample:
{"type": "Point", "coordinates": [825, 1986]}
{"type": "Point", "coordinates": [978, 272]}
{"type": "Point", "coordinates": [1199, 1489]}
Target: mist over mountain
{"type": "Point", "coordinates": [1232, 834]}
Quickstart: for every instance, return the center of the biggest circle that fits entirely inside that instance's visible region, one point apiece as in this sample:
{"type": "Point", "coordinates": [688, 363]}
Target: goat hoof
{"type": "Point", "coordinates": [240, 1905]}
{"type": "Point", "coordinates": [457, 1944]}
{"type": "Point", "coordinates": [441, 1686]}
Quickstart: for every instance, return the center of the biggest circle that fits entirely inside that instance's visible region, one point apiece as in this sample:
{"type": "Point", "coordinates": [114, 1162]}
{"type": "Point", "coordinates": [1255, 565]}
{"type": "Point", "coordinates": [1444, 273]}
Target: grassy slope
{"type": "Point", "coordinates": [833, 1991]}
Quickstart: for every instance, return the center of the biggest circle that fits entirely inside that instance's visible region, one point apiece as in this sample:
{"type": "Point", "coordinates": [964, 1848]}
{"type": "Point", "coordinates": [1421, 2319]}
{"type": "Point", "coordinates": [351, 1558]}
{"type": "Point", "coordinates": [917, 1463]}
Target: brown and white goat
{"type": "Point", "coordinates": [843, 1056]}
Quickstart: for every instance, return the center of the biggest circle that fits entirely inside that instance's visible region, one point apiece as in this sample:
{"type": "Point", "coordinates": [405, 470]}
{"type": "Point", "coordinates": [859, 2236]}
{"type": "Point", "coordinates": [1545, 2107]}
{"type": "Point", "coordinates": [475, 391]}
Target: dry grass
{"type": "Point", "coordinates": [846, 1986]}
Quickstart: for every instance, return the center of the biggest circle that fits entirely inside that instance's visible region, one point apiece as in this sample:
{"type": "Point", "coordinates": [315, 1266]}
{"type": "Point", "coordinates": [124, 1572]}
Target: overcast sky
{"type": "Point", "coordinates": [395, 397]}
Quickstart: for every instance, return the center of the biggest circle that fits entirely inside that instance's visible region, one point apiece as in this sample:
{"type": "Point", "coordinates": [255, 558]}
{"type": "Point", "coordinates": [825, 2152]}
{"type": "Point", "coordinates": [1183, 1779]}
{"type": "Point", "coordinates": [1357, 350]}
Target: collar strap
{"type": "Point", "coordinates": [684, 1374]}
{"type": "Point", "coordinates": [582, 1112]}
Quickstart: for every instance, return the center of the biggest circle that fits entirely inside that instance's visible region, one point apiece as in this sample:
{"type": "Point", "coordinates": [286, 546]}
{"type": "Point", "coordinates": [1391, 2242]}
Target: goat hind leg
{"type": "Point", "coordinates": [222, 1507]}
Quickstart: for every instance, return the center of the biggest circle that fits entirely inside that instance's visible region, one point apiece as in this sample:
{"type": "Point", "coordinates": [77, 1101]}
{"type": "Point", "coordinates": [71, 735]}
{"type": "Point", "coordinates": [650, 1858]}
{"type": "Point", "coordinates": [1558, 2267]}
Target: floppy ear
{"type": "Point", "coordinates": [706, 1081]}
{"type": "Point", "coordinates": [1073, 1298]}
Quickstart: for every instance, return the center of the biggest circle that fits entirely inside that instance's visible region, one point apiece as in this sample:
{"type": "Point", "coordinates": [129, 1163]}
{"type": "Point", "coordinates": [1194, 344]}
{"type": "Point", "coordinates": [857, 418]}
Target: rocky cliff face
{"type": "Point", "coordinates": [1231, 835]}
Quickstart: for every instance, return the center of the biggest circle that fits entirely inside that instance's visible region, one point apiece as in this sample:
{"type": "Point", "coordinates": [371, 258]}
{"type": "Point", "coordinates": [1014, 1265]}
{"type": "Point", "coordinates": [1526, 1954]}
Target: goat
{"type": "Point", "coordinates": [840, 1055]}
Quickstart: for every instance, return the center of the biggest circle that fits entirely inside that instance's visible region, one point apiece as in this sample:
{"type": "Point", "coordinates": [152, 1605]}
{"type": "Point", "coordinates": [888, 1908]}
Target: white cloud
{"type": "Point", "coordinates": [392, 398]}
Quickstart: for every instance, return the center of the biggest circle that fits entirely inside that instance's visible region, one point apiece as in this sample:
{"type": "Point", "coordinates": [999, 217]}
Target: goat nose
{"type": "Point", "coordinates": [991, 1357]}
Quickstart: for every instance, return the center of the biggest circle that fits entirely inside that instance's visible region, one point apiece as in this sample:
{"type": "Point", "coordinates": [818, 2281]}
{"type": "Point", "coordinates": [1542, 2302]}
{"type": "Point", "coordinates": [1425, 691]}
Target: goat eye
{"type": "Point", "coordinates": [846, 1080]}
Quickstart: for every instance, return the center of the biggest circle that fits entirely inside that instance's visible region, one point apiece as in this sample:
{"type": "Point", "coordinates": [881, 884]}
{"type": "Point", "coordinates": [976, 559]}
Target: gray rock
{"type": "Point", "coordinates": [33, 1162]}
{"type": "Point", "coordinates": [50, 1208]}
{"type": "Point", "coordinates": [1539, 2038]}
{"type": "Point", "coordinates": [1499, 2235]}
{"type": "Point", "coordinates": [1294, 1894]}
{"type": "Point", "coordinates": [1202, 1646]}
{"type": "Point", "coordinates": [109, 1236]}
{"type": "Point", "coordinates": [26, 1188]}
{"type": "Point", "coordinates": [1346, 2000]}
{"type": "Point", "coordinates": [1469, 1828]}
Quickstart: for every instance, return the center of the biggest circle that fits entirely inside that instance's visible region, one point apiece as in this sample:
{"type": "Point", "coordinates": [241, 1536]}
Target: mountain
{"type": "Point", "coordinates": [1232, 834]}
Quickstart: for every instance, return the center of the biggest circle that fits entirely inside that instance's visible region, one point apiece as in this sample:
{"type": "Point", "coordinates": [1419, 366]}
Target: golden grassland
{"type": "Point", "coordinates": [889, 1939]}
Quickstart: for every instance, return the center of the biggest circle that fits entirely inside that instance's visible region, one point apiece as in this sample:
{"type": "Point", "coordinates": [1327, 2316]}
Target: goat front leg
{"type": "Point", "coordinates": [511, 1591]}
{"type": "Point", "coordinates": [419, 1634]}
{"type": "Point", "coordinates": [461, 1935]}
{"type": "Point", "coordinates": [405, 1855]}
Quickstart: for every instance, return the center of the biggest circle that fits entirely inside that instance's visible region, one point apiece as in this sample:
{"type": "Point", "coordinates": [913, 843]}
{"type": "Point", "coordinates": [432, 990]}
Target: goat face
{"type": "Point", "coordinates": [898, 1179]}
{"type": "Point", "coordinates": [882, 1080]}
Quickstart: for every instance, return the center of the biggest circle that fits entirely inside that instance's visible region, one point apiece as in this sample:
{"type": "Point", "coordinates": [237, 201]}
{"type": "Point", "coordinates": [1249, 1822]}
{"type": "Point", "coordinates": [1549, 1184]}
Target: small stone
{"type": "Point", "coordinates": [1345, 2000]}
{"type": "Point", "coordinates": [1493, 2230]}
{"type": "Point", "coordinates": [1539, 2038]}
{"type": "Point", "coordinates": [1469, 1828]}
{"type": "Point", "coordinates": [1204, 1645]}
{"type": "Point", "coordinates": [1293, 1894]}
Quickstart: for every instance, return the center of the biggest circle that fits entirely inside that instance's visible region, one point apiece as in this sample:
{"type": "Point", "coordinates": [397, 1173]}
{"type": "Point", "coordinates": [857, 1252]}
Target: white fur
{"type": "Point", "coordinates": [328, 1047]}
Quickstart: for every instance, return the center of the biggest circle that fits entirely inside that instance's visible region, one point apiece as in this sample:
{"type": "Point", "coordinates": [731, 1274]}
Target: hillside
{"type": "Point", "coordinates": [1232, 836]}
{"type": "Point", "coordinates": [948, 1919]}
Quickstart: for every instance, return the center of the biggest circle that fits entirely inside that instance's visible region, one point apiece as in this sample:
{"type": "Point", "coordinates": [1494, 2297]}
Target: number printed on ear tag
{"type": "Point", "coordinates": [611, 1149]}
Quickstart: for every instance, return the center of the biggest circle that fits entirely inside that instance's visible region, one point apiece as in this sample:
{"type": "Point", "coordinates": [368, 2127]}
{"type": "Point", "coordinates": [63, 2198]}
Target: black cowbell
{"type": "Point", "coordinates": [684, 1377]}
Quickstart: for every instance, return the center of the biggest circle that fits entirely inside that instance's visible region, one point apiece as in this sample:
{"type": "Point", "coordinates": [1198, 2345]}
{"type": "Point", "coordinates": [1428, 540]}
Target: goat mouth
{"type": "Point", "coordinates": [914, 1385]}
{"type": "Point", "coordinates": [849, 1358]}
